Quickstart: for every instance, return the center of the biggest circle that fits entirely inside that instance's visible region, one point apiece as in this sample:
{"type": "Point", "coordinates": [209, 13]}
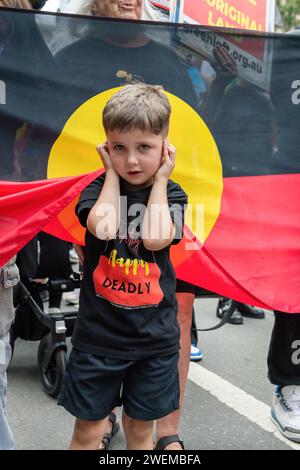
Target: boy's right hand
{"type": "Point", "coordinates": [105, 157]}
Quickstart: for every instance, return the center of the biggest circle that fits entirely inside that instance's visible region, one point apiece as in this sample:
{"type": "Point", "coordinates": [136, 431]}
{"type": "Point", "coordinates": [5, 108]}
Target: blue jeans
{"type": "Point", "coordinates": [6, 437]}
{"type": "Point", "coordinates": [9, 277]}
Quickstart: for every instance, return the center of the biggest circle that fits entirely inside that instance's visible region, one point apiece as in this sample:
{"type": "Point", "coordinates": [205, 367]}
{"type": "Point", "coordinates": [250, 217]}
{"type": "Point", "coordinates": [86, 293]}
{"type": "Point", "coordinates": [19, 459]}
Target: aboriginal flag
{"type": "Point", "coordinates": [235, 100]}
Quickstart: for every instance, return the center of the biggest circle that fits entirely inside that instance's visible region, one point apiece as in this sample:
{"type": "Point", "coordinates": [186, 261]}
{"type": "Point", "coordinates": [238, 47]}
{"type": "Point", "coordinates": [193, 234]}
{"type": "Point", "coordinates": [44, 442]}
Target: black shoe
{"type": "Point", "coordinates": [249, 311]}
{"type": "Point", "coordinates": [223, 306]}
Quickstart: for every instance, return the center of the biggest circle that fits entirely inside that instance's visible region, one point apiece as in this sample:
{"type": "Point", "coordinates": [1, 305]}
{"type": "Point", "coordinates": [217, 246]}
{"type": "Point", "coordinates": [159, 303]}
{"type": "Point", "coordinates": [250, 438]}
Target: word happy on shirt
{"type": "Point", "coordinates": [127, 282]}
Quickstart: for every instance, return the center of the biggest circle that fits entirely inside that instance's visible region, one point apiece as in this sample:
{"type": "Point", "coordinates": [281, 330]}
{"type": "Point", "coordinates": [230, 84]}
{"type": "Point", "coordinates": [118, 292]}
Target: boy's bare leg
{"type": "Point", "coordinates": [87, 435]}
{"type": "Point", "coordinates": [139, 434]}
{"type": "Point", "coordinates": [169, 425]}
{"type": "Point", "coordinates": [108, 429]}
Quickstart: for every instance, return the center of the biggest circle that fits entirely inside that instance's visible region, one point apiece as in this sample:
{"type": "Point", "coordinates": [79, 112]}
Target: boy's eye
{"type": "Point", "coordinates": [118, 147]}
{"type": "Point", "coordinates": [144, 147]}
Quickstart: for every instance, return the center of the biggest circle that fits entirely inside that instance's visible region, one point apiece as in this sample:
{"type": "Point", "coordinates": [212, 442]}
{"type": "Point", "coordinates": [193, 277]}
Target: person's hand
{"type": "Point", "coordinates": [105, 157]}
{"type": "Point", "coordinates": [167, 163]}
{"type": "Point", "coordinates": [226, 68]}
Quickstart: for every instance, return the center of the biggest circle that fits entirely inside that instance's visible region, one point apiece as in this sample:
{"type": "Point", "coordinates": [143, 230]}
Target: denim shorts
{"type": "Point", "coordinates": [93, 386]}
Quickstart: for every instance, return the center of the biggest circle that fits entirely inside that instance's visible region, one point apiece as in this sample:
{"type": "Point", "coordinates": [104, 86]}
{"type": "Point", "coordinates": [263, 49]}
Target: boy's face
{"type": "Point", "coordinates": [135, 155]}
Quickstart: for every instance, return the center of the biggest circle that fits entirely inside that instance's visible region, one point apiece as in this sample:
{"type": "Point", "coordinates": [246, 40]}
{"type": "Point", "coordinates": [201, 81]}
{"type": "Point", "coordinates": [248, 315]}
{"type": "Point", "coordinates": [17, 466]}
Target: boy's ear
{"type": "Point", "coordinates": [165, 144]}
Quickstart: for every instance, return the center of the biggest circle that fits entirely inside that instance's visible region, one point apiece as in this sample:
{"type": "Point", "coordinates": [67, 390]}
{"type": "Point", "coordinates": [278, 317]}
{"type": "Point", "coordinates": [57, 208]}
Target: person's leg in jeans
{"type": "Point", "coordinates": [169, 425]}
{"type": "Point", "coordinates": [9, 277]}
{"type": "Point", "coordinates": [6, 437]}
{"type": "Point", "coordinates": [284, 372]}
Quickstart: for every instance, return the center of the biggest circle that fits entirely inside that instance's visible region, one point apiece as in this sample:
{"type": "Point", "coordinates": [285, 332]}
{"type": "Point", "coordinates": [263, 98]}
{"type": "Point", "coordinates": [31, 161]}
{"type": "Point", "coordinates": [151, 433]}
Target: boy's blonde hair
{"type": "Point", "coordinates": [138, 106]}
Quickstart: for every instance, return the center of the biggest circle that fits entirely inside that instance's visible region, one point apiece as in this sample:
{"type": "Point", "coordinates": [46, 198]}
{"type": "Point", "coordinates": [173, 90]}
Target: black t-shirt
{"type": "Point", "coordinates": [128, 306]}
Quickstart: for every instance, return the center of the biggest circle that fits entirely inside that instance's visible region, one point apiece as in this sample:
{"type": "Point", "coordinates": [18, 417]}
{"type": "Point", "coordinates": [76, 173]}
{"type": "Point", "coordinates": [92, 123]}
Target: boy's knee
{"type": "Point", "coordinates": [88, 431]}
{"type": "Point", "coordinates": [138, 430]}
{"type": "Point", "coordinates": [185, 301]}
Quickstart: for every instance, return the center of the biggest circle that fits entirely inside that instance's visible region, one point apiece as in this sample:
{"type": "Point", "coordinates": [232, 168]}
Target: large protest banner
{"type": "Point", "coordinates": [237, 144]}
{"type": "Point", "coordinates": [255, 15]}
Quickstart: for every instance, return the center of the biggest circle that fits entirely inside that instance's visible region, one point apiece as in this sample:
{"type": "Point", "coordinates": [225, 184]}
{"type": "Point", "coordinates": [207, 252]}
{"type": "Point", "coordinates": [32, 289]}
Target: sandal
{"type": "Point", "coordinates": [165, 441]}
{"type": "Point", "coordinates": [107, 438]}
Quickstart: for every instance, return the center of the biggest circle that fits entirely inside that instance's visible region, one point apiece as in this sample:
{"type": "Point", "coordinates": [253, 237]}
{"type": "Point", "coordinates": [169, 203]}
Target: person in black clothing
{"type": "Point", "coordinates": [96, 64]}
{"type": "Point", "coordinates": [53, 267]}
{"type": "Point", "coordinates": [126, 333]}
{"type": "Point", "coordinates": [37, 263]}
{"type": "Point", "coordinates": [284, 348]}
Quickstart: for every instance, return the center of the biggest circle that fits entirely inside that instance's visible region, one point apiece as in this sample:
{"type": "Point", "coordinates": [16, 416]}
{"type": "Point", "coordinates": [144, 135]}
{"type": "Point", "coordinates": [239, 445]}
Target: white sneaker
{"type": "Point", "coordinates": [72, 298]}
{"type": "Point", "coordinates": [54, 310]}
{"type": "Point", "coordinates": [196, 353]}
{"type": "Point", "coordinates": [73, 256]}
{"type": "Point", "coordinates": [285, 412]}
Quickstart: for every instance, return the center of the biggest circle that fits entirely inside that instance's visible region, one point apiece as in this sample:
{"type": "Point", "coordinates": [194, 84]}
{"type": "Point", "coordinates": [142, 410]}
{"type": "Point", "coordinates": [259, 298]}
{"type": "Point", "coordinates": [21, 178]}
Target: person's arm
{"type": "Point", "coordinates": [158, 230]}
{"type": "Point", "coordinates": [104, 219]}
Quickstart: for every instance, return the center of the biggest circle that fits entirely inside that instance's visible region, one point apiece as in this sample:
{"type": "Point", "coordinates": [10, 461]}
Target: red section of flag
{"type": "Point", "coordinates": [26, 208]}
{"type": "Point", "coordinates": [57, 229]}
{"type": "Point", "coordinates": [253, 252]}
{"type": "Point", "coordinates": [251, 255]}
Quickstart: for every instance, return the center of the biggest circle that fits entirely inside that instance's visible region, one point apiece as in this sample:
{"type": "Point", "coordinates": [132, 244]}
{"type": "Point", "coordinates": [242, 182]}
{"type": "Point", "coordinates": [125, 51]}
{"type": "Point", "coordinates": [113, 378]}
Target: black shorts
{"type": "Point", "coordinates": [93, 386]}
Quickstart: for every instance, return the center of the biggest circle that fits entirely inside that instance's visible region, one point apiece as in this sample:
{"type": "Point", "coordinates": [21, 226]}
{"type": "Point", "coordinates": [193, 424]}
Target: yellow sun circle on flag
{"type": "Point", "coordinates": [198, 167]}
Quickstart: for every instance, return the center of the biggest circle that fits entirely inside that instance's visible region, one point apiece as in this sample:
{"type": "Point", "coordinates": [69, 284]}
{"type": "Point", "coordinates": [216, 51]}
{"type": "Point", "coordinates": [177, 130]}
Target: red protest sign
{"type": "Point", "coordinates": [241, 14]}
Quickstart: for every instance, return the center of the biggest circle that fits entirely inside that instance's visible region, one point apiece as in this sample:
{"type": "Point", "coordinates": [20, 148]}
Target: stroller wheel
{"type": "Point", "coordinates": [51, 375]}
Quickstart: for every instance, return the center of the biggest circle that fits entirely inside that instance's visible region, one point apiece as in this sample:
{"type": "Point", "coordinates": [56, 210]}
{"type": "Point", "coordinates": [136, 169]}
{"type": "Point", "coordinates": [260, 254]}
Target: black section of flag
{"type": "Point", "coordinates": [254, 120]}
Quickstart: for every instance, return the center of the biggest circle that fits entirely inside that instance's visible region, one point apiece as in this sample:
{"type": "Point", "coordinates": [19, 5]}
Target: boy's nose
{"type": "Point", "coordinates": [132, 159]}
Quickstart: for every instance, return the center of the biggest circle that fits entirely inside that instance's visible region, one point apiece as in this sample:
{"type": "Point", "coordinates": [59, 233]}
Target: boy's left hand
{"type": "Point", "coordinates": [168, 161]}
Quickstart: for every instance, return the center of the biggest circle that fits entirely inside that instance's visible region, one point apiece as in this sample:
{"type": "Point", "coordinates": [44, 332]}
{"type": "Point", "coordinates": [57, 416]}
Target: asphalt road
{"type": "Point", "coordinates": [227, 402]}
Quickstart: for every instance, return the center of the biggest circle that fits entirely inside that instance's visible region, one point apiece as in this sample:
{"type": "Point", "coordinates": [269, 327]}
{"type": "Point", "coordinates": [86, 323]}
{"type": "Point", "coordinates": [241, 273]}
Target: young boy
{"type": "Point", "coordinates": [126, 337]}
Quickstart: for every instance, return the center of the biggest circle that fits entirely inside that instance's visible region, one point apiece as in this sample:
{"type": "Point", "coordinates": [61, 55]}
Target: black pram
{"type": "Point", "coordinates": [33, 323]}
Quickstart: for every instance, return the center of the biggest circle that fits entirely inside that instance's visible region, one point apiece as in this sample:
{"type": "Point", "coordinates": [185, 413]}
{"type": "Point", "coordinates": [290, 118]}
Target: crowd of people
{"type": "Point", "coordinates": [152, 365]}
